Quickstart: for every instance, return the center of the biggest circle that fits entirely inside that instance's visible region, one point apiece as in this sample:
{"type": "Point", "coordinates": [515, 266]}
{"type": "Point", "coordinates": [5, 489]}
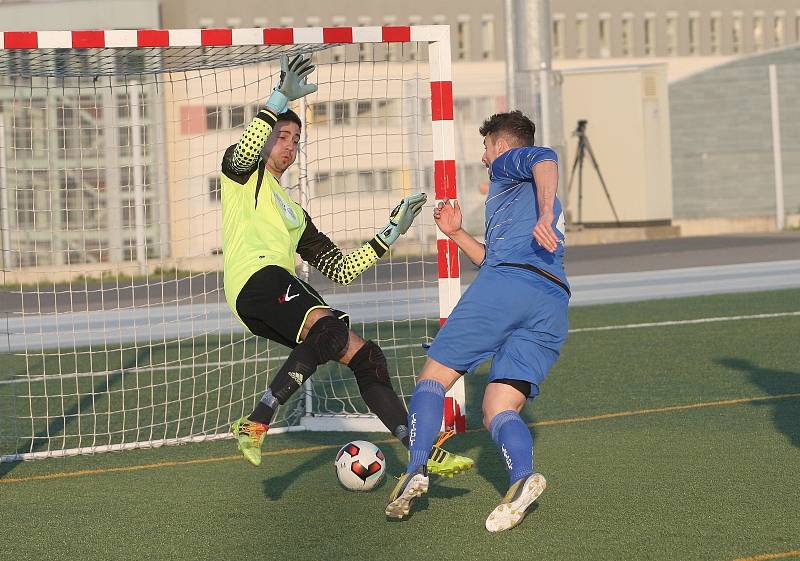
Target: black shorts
{"type": "Point", "coordinates": [274, 304]}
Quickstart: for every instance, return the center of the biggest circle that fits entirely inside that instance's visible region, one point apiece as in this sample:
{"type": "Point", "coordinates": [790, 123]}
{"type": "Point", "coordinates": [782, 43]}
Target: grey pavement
{"type": "Point", "coordinates": [599, 274]}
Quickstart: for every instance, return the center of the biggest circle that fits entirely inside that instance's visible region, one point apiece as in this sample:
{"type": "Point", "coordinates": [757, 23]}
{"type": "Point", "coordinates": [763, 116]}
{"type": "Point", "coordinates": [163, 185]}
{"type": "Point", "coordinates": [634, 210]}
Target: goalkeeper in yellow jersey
{"type": "Point", "coordinates": [263, 228]}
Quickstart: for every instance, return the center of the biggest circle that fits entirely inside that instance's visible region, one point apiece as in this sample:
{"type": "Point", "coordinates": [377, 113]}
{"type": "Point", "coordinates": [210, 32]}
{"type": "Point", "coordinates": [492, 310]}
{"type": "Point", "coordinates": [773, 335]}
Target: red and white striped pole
{"type": "Point", "coordinates": [444, 173]}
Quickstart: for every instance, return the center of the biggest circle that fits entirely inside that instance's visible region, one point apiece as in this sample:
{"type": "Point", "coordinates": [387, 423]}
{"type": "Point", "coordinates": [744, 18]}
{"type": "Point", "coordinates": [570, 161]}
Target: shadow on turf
{"type": "Point", "coordinates": [86, 402]}
{"type": "Point", "coordinates": [276, 485]}
{"type": "Point", "coordinates": [785, 412]}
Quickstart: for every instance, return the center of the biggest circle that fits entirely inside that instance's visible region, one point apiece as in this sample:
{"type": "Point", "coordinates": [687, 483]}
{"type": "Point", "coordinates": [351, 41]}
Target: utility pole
{"type": "Point", "coordinates": [531, 85]}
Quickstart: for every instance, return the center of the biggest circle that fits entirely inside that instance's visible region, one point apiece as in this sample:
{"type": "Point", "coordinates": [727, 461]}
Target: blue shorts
{"type": "Point", "coordinates": [511, 314]}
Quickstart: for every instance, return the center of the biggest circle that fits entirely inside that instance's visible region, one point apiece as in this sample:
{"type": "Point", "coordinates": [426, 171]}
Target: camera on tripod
{"type": "Point", "coordinates": [585, 146]}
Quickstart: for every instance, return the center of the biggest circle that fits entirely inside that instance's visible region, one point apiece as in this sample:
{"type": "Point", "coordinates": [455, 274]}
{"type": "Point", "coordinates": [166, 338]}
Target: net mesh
{"type": "Point", "coordinates": [118, 333]}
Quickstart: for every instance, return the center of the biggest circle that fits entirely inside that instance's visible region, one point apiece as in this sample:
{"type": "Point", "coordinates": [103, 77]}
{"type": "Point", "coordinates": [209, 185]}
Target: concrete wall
{"type": "Point", "coordinates": [79, 14]}
{"type": "Point", "coordinates": [722, 138]}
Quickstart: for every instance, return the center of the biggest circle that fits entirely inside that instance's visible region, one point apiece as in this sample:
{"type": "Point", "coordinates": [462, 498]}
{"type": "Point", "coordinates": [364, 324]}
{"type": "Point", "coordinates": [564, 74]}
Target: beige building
{"type": "Point", "coordinates": [681, 38]}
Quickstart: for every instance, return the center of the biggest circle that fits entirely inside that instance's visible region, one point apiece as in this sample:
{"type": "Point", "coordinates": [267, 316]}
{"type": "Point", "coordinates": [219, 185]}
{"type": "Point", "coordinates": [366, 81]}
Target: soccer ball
{"type": "Point", "coordinates": [360, 465]}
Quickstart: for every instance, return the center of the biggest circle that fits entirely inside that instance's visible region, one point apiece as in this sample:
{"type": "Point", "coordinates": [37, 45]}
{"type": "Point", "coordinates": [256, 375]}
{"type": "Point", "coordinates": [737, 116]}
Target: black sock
{"type": "Point", "coordinates": [262, 414]}
{"type": "Point", "coordinates": [265, 408]}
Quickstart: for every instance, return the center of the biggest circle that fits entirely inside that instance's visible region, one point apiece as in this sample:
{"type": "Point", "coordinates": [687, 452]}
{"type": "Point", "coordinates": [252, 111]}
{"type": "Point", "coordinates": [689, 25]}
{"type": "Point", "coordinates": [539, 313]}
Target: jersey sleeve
{"type": "Point", "coordinates": [241, 159]}
{"type": "Point", "coordinates": [517, 164]}
{"type": "Point", "coordinates": [321, 253]}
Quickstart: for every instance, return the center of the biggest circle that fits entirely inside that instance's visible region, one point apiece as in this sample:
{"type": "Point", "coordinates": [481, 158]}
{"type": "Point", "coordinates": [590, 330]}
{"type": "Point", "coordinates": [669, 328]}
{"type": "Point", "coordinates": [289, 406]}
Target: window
{"type": "Point", "coordinates": [260, 21]}
{"type": "Point", "coordinates": [627, 34]}
{"type": "Point", "coordinates": [319, 112]}
{"type": "Point", "coordinates": [236, 116]}
{"type": "Point", "coordinates": [213, 118]}
{"type": "Point", "coordinates": [758, 31]}
{"type": "Point", "coordinates": [287, 21]}
{"type": "Point", "coordinates": [558, 36]}
{"type": "Point", "coordinates": [462, 38]}
{"type": "Point", "coordinates": [363, 109]}
{"type": "Point", "coordinates": [233, 23]}
{"type": "Point", "coordinates": [650, 34]}
{"type": "Point", "coordinates": [736, 32]}
{"type": "Point", "coordinates": [672, 33]}
{"type": "Point", "coordinates": [581, 43]}
{"type": "Point", "coordinates": [715, 33]}
{"type": "Point", "coordinates": [797, 26]}
{"type": "Point", "coordinates": [487, 37]}
{"type": "Point", "coordinates": [779, 29]}
{"type": "Point", "coordinates": [341, 113]}
{"type": "Point", "coordinates": [462, 109]}
{"type": "Point", "coordinates": [24, 206]}
{"type": "Point", "coordinates": [214, 189]}
{"type": "Point", "coordinates": [604, 34]}
{"type": "Point", "coordinates": [694, 33]}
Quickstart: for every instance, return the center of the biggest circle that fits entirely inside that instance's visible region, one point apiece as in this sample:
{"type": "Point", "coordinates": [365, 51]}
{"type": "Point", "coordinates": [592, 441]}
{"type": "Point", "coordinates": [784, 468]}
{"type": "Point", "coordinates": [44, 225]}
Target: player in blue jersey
{"type": "Point", "coordinates": [514, 312]}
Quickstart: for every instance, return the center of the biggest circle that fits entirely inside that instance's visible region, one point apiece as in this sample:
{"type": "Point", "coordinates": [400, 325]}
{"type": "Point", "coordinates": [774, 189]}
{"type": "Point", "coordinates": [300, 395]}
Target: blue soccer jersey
{"type": "Point", "coordinates": [512, 212]}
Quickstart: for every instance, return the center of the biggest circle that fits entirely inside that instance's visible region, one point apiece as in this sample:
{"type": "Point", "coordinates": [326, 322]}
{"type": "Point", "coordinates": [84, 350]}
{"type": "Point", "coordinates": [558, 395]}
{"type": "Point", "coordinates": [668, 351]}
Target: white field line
{"type": "Point", "coordinates": [392, 347]}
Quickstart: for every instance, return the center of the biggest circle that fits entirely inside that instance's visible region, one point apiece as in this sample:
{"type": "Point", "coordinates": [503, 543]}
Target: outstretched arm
{"type": "Point", "coordinates": [321, 253]}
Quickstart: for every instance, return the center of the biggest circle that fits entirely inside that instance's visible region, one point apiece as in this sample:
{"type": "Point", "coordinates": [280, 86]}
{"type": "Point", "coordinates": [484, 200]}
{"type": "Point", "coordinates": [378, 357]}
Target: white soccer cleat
{"type": "Point", "coordinates": [519, 497]}
{"type": "Point", "coordinates": [409, 487]}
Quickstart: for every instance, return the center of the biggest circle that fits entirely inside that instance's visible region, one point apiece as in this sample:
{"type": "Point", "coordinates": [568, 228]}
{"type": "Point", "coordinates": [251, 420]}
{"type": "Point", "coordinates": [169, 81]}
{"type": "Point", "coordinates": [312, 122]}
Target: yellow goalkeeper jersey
{"type": "Point", "coordinates": [262, 225]}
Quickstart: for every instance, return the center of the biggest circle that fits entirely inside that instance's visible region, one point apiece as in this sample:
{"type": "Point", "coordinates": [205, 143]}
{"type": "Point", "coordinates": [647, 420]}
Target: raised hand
{"type": "Point", "coordinates": [448, 217]}
{"type": "Point", "coordinates": [293, 83]}
{"type": "Point", "coordinates": [402, 217]}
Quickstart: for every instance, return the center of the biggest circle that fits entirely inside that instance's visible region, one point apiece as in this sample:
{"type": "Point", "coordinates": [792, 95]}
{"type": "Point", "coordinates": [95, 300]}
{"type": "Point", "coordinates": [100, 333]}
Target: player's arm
{"type": "Point", "coordinates": [540, 165]}
{"type": "Point", "coordinates": [545, 174]}
{"type": "Point", "coordinates": [241, 159]}
{"type": "Point", "coordinates": [321, 253]}
{"type": "Point", "coordinates": [448, 218]}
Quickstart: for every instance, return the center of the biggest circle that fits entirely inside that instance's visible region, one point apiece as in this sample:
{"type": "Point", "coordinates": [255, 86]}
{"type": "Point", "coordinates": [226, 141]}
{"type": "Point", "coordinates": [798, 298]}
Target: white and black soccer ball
{"type": "Point", "coordinates": [360, 465]}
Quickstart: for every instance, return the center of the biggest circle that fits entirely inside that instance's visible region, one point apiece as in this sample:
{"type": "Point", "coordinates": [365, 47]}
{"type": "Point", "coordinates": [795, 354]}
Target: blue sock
{"type": "Point", "coordinates": [425, 414]}
{"type": "Point", "coordinates": [514, 440]}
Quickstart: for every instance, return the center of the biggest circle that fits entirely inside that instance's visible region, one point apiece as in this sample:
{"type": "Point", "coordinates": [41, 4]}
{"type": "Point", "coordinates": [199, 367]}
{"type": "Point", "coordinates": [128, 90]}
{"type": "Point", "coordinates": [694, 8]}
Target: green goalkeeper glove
{"type": "Point", "coordinates": [402, 217]}
{"type": "Point", "coordinates": [293, 83]}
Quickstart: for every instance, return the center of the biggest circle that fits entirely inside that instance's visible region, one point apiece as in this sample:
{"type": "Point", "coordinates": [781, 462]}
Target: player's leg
{"type": "Point", "coordinates": [518, 369]}
{"type": "Point", "coordinates": [502, 404]}
{"type": "Point", "coordinates": [324, 337]}
{"type": "Point", "coordinates": [368, 363]}
{"type": "Point", "coordinates": [472, 333]}
{"type": "Point", "coordinates": [326, 340]}
{"type": "Point", "coordinates": [276, 305]}
{"type": "Point", "coordinates": [425, 414]}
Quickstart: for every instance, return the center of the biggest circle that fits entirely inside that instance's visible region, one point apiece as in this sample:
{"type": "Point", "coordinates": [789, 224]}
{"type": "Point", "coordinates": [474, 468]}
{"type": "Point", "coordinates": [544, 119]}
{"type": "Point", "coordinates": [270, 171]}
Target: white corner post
{"type": "Point", "coordinates": [780, 213]}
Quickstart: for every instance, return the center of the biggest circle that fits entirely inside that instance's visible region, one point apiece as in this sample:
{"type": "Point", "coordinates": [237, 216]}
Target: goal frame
{"type": "Point", "coordinates": [437, 38]}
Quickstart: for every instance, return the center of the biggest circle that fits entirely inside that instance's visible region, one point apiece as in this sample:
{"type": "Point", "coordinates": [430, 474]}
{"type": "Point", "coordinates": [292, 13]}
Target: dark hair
{"type": "Point", "coordinates": [513, 124]}
{"type": "Point", "coordinates": [290, 116]}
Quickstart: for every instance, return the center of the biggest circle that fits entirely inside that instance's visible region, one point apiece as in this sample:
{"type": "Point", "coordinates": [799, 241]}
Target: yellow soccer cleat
{"type": "Point", "coordinates": [447, 464]}
{"type": "Point", "coordinates": [249, 435]}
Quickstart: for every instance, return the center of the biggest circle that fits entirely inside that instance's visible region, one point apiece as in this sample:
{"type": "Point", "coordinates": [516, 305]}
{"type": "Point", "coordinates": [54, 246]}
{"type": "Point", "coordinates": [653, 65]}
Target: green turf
{"type": "Point", "coordinates": [709, 483]}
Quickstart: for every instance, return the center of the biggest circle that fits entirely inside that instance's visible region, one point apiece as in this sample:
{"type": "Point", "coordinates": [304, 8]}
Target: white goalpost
{"type": "Point", "coordinates": [118, 335]}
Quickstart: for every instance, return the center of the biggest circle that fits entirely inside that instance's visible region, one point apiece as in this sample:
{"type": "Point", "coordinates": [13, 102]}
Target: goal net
{"type": "Point", "coordinates": [118, 335]}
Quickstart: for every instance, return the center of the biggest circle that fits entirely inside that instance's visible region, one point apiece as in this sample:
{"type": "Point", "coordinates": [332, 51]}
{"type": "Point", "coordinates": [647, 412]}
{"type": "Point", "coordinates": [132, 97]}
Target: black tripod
{"type": "Point", "coordinates": [583, 146]}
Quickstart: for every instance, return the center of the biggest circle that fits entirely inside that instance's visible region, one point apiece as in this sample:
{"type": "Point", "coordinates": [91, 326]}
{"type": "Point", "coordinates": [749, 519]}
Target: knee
{"type": "Point", "coordinates": [369, 365]}
{"type": "Point", "coordinates": [488, 415]}
{"type": "Point", "coordinates": [328, 338]}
